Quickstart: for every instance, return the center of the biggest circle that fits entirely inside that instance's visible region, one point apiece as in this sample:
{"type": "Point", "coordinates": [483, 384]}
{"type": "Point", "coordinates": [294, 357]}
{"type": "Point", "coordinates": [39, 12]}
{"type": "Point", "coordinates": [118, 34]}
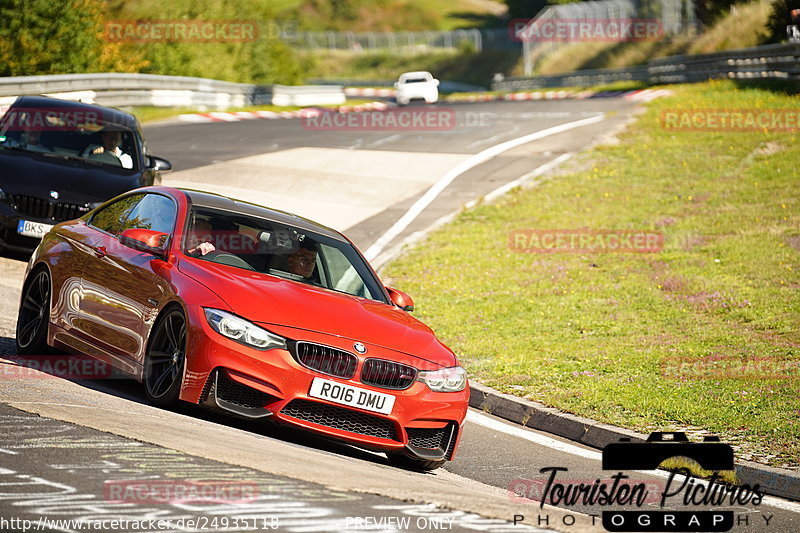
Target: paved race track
{"type": "Point", "coordinates": [67, 445]}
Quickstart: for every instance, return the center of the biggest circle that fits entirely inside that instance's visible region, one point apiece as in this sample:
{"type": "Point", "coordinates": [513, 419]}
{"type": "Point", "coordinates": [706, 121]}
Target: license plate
{"type": "Point", "coordinates": [377, 402]}
{"type": "Point", "coordinates": [33, 229]}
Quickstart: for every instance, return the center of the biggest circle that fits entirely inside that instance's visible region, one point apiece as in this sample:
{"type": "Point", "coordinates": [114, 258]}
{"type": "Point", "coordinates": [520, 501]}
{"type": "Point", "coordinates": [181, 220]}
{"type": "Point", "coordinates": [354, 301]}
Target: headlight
{"type": "Point", "coordinates": [242, 331]}
{"type": "Point", "coordinates": [453, 379]}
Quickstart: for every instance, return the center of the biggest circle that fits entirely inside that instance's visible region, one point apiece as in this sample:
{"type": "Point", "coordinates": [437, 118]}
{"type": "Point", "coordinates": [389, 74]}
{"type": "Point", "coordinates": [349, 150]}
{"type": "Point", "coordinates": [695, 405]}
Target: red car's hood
{"type": "Point", "coordinates": [271, 300]}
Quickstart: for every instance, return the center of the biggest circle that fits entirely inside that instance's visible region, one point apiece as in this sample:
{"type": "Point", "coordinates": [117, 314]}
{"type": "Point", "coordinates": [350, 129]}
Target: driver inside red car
{"type": "Point", "coordinates": [303, 261]}
{"type": "Point", "coordinates": [199, 242]}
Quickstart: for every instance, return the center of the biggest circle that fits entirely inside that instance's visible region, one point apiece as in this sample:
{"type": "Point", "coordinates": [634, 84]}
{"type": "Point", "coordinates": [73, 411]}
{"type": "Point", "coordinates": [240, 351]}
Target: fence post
{"type": "Point", "coordinates": [477, 40]}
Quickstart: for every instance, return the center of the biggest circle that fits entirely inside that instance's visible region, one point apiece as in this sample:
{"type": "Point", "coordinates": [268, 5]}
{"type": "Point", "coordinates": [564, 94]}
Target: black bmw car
{"type": "Point", "coordinates": [60, 159]}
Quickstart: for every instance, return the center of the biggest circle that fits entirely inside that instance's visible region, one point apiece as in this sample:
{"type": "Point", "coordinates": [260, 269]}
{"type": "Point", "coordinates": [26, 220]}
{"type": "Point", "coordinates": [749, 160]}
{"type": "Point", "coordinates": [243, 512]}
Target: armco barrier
{"type": "Point", "coordinates": [773, 61]}
{"type": "Point", "coordinates": [118, 89]}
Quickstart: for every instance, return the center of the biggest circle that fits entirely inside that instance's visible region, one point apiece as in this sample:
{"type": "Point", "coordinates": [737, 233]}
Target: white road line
{"type": "Point", "coordinates": [487, 140]}
{"type": "Point", "coordinates": [385, 257]}
{"type": "Point", "coordinates": [10, 452]}
{"type": "Point", "coordinates": [472, 162]}
{"type": "Point", "coordinates": [384, 140]}
{"type": "Point", "coordinates": [535, 173]}
{"type": "Point", "coordinates": [517, 431]}
{"type": "Point", "coordinates": [522, 433]}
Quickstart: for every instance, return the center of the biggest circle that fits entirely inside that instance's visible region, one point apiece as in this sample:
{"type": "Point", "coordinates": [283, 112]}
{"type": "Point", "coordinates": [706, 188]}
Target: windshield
{"type": "Point", "coordinates": [269, 247]}
{"type": "Point", "coordinates": [73, 134]}
{"type": "Point", "coordinates": [415, 80]}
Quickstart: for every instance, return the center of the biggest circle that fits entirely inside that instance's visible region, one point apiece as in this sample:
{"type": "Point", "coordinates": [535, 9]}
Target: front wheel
{"type": "Point", "coordinates": [401, 460]}
{"type": "Point", "coordinates": [34, 315]}
{"type": "Point", "coordinates": [165, 359]}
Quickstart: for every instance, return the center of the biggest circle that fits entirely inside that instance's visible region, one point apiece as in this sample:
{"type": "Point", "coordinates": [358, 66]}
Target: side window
{"type": "Point", "coordinates": [341, 274]}
{"type": "Point", "coordinates": [112, 216]}
{"type": "Point", "coordinates": [154, 212]}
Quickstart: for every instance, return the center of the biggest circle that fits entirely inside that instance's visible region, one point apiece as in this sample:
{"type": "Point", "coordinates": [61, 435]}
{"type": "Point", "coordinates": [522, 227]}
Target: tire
{"type": "Point", "coordinates": [34, 314]}
{"type": "Point", "coordinates": [401, 460]}
{"type": "Point", "coordinates": [165, 359]}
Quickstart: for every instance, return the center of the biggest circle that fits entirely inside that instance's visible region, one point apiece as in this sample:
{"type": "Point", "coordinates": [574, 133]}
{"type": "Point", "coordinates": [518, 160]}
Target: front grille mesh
{"type": "Point", "coordinates": [387, 374]}
{"type": "Point", "coordinates": [234, 392]}
{"type": "Point", "coordinates": [341, 418]}
{"type": "Point", "coordinates": [31, 206]}
{"type": "Point", "coordinates": [326, 360]}
{"type": "Point", "coordinates": [429, 438]}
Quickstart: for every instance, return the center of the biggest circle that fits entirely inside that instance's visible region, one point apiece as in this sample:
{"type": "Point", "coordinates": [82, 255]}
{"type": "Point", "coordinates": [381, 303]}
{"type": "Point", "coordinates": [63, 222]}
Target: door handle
{"type": "Point", "coordinates": [100, 251]}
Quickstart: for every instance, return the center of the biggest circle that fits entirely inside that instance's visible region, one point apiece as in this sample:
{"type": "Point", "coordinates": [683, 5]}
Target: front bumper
{"type": "Point", "coordinates": [227, 376]}
{"type": "Point", "coordinates": [50, 213]}
{"type": "Point", "coordinates": [11, 240]}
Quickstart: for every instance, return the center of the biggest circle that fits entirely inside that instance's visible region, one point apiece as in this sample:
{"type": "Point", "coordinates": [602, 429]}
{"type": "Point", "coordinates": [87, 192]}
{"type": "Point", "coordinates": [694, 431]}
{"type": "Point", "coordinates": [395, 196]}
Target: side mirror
{"type": "Point", "coordinates": [436, 82]}
{"type": "Point", "coordinates": [397, 85]}
{"type": "Point", "coordinates": [158, 164]}
{"type": "Point", "coordinates": [401, 299]}
{"type": "Point", "coordinates": [145, 240]}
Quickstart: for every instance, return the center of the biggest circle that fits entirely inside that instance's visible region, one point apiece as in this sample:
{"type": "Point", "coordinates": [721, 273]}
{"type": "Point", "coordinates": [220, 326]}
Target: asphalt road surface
{"type": "Point", "coordinates": [69, 449]}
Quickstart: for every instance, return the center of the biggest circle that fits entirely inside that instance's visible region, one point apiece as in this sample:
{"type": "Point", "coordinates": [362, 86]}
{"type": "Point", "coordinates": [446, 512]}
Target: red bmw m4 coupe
{"type": "Point", "coordinates": [249, 311]}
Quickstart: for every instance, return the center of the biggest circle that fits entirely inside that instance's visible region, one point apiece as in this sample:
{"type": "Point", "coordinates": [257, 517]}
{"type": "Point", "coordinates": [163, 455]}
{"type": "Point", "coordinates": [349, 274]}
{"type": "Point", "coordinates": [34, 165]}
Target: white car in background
{"type": "Point", "coordinates": [417, 86]}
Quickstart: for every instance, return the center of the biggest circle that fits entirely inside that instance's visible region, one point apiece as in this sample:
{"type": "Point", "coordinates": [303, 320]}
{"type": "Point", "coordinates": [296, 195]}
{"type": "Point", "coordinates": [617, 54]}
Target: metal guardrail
{"type": "Point", "coordinates": [120, 90]}
{"type": "Point", "coordinates": [579, 78]}
{"type": "Point", "coordinates": [445, 86]}
{"type": "Point", "coordinates": [773, 61]}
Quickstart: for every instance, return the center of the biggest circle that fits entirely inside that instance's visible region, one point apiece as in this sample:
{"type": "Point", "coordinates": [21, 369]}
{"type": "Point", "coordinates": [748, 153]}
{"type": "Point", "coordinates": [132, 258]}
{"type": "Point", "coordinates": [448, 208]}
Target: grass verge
{"type": "Point", "coordinates": [701, 336]}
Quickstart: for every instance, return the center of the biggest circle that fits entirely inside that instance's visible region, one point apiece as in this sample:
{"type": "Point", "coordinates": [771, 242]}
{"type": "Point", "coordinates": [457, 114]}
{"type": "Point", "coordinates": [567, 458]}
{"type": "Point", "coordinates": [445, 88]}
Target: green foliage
{"type": "Point", "coordinates": [780, 18]}
{"type": "Point", "coordinates": [465, 66]}
{"type": "Point", "coordinates": [263, 60]}
{"type": "Point", "coordinates": [49, 37]}
{"type": "Point", "coordinates": [366, 15]}
{"type": "Point", "coordinates": [524, 9]}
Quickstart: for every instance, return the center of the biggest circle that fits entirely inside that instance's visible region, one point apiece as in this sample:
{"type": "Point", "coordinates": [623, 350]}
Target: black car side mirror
{"type": "Point", "coordinates": [158, 164]}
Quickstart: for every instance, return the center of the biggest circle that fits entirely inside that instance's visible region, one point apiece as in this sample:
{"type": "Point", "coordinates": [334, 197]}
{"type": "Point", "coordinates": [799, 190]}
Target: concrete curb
{"type": "Point", "coordinates": [773, 481]}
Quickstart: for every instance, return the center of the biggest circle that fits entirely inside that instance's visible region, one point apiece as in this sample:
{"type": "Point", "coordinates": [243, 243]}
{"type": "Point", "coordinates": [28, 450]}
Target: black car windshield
{"type": "Point", "coordinates": [269, 247]}
{"type": "Point", "coordinates": [72, 134]}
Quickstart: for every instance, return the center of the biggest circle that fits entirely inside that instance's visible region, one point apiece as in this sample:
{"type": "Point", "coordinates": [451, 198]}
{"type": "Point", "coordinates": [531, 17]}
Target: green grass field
{"type": "Point", "coordinates": [701, 336]}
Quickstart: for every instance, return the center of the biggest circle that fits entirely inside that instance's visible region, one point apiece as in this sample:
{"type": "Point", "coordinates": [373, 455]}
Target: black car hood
{"type": "Point", "coordinates": [36, 175]}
